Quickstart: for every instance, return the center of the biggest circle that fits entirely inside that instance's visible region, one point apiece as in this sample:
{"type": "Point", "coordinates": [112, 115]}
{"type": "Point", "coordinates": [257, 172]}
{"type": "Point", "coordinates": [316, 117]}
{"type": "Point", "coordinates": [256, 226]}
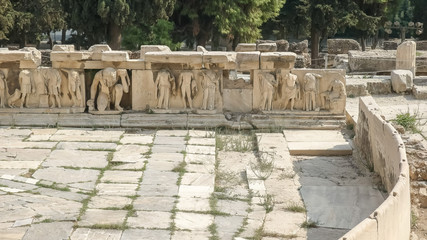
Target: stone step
{"type": "Point", "coordinates": [317, 142]}
{"type": "Point", "coordinates": [320, 148]}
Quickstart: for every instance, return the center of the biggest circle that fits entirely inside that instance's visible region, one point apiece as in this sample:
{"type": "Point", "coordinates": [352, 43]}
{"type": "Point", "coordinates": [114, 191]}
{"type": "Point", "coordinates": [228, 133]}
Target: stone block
{"type": "Point", "coordinates": [99, 48]}
{"type": "Point", "coordinates": [246, 47]}
{"type": "Point", "coordinates": [372, 61]}
{"type": "Point", "coordinates": [275, 60]}
{"type": "Point", "coordinates": [342, 46]}
{"type": "Point", "coordinates": [219, 57]}
{"type": "Point", "coordinates": [247, 61]}
{"type": "Point", "coordinates": [175, 57]}
{"type": "Point", "coordinates": [379, 86]}
{"type": "Point", "coordinates": [97, 51]}
{"type": "Point", "coordinates": [299, 47]}
{"type": "Point", "coordinates": [421, 45]}
{"type": "Point", "coordinates": [282, 45]}
{"type": "Point", "coordinates": [420, 92]}
{"type": "Point", "coordinates": [356, 87]}
{"type": "Point", "coordinates": [12, 56]}
{"type": "Point", "coordinates": [115, 56]}
{"type": "Point", "coordinates": [401, 80]}
{"type": "Point", "coordinates": [153, 48]}
{"type": "Point", "coordinates": [406, 56]}
{"type": "Point", "coordinates": [62, 56]}
{"type": "Point", "coordinates": [267, 47]}
{"type": "Point", "coordinates": [63, 48]}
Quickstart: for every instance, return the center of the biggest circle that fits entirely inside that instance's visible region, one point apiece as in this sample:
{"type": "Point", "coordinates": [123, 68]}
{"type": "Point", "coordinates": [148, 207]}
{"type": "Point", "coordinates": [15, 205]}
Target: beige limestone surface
{"type": "Point", "coordinates": [143, 188]}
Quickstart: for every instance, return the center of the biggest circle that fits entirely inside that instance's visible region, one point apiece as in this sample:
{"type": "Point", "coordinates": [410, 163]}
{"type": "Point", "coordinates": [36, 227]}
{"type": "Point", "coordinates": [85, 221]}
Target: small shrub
{"type": "Point", "coordinates": [411, 122]}
{"type": "Point", "coordinates": [294, 207]}
{"type": "Point", "coordinates": [264, 166]}
{"type": "Point", "coordinates": [309, 224]}
{"type": "Point", "coordinates": [268, 203]}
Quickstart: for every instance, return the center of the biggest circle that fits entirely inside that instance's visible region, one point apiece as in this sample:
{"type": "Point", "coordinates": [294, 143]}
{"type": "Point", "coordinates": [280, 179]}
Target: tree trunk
{"type": "Point", "coordinates": [215, 40]}
{"type": "Point", "coordinates": [363, 41]}
{"type": "Point", "coordinates": [314, 46]}
{"type": "Point", "coordinates": [375, 42]}
{"type": "Point", "coordinates": [22, 40]}
{"type": "Point", "coordinates": [64, 34]}
{"type": "Point", "coordinates": [50, 40]}
{"type": "Point", "coordinates": [115, 34]}
{"type": "Point", "coordinates": [202, 38]}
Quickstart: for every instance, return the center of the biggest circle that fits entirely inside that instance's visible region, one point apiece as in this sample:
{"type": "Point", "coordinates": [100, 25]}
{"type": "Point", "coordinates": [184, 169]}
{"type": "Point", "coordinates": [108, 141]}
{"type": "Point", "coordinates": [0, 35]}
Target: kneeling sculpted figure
{"type": "Point", "coordinates": [106, 83]}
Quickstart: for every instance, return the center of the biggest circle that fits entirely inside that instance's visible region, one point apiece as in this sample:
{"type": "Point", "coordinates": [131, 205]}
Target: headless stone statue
{"type": "Point", "coordinates": [310, 91]}
{"type": "Point", "coordinates": [267, 84]}
{"type": "Point", "coordinates": [165, 83]}
{"type": "Point", "coordinates": [188, 86]}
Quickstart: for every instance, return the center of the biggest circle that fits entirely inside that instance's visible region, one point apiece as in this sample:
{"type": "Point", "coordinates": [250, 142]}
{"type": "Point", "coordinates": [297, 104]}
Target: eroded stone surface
{"type": "Point", "coordinates": [193, 221]}
{"type": "Point", "coordinates": [102, 217]}
{"type": "Point", "coordinates": [150, 219]}
{"type": "Point", "coordinates": [95, 234]}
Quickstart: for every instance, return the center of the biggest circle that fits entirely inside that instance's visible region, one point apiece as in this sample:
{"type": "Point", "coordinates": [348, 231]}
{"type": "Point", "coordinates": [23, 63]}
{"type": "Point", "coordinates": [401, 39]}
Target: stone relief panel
{"type": "Point", "coordinates": [308, 90]}
{"type": "Point", "coordinates": [42, 90]}
{"type": "Point", "coordinates": [107, 89]}
{"type": "Point", "coordinates": [173, 91]}
{"type": "Point", "coordinates": [321, 90]}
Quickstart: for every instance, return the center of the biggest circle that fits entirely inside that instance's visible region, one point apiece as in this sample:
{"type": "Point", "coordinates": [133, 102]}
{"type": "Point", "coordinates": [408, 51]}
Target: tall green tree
{"type": "Point", "coordinates": [6, 18]}
{"type": "Point", "coordinates": [327, 18]}
{"type": "Point", "coordinates": [291, 22]}
{"type": "Point", "coordinates": [34, 18]}
{"type": "Point", "coordinates": [237, 20]}
{"type": "Point", "coordinates": [114, 14]}
{"type": "Point", "coordinates": [104, 20]}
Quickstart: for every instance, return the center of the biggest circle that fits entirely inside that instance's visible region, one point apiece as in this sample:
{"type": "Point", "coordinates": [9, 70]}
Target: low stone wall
{"type": "Point", "coordinates": [381, 146]}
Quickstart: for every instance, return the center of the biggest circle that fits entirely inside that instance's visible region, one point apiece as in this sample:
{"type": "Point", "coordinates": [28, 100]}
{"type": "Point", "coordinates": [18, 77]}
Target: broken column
{"type": "Point", "coordinates": [405, 57]}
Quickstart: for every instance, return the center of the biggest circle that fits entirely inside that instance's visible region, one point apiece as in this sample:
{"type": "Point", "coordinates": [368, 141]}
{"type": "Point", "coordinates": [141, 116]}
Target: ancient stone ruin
{"type": "Point", "coordinates": [200, 82]}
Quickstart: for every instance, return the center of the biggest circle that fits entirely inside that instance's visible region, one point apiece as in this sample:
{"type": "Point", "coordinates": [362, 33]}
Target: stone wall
{"type": "Point", "coordinates": [381, 146]}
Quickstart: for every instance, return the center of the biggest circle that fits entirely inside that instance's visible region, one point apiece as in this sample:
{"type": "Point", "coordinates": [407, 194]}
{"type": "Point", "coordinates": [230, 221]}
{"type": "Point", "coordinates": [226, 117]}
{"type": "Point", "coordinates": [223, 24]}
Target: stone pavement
{"type": "Point", "coordinates": [166, 184]}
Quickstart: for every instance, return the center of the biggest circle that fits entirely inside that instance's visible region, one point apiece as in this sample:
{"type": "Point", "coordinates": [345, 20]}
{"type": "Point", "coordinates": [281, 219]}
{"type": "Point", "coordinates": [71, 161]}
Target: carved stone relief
{"type": "Point", "coordinates": [174, 91]}
{"type": "Point", "coordinates": [41, 90]}
{"type": "Point", "coordinates": [107, 88]}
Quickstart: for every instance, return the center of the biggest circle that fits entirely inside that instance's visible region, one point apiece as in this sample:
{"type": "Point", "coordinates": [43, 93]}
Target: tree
{"type": "Point", "coordinates": [241, 19]}
{"type": "Point", "coordinates": [327, 18]}
{"type": "Point", "coordinates": [420, 15]}
{"type": "Point", "coordinates": [369, 18]}
{"type": "Point", "coordinates": [34, 18]}
{"type": "Point", "coordinates": [237, 20]}
{"type": "Point", "coordinates": [114, 14]}
{"type": "Point", "coordinates": [291, 22]}
{"type": "Point", "coordinates": [104, 20]}
{"type": "Point", "coordinates": [6, 19]}
{"type": "Point", "coordinates": [157, 34]}
{"type": "Point", "coordinates": [50, 17]}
